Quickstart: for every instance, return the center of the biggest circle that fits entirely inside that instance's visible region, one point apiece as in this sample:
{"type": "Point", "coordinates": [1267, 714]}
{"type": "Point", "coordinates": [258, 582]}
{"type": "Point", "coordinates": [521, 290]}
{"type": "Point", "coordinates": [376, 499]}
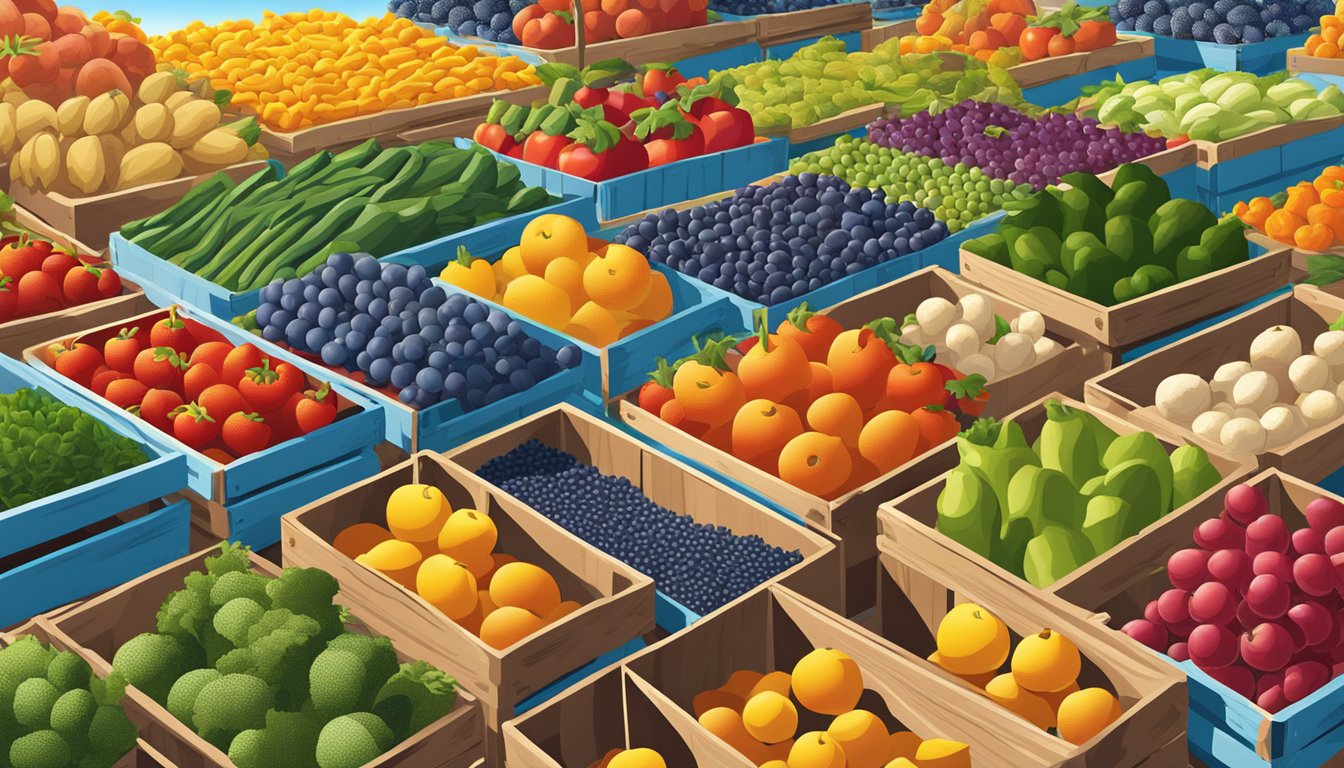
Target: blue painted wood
{"type": "Point", "coordinates": [44, 519]}
{"type": "Point", "coordinates": [110, 558]}
{"type": "Point", "coordinates": [670, 615]}
{"type": "Point", "coordinates": [717, 61]}
{"type": "Point", "coordinates": [1259, 58]}
{"type": "Point", "coordinates": [902, 14]}
{"type": "Point", "coordinates": [559, 686]}
{"type": "Point", "coordinates": [279, 463]}
{"type": "Point", "coordinates": [255, 520]}
{"type": "Point", "coordinates": [1062, 91]}
{"type": "Point", "coordinates": [166, 283]}
{"type": "Point", "coordinates": [664, 185]}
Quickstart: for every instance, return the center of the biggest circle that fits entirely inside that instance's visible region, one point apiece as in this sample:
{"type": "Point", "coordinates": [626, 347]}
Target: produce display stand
{"type": "Point", "coordinates": [1257, 58]}
{"type": "Point", "coordinates": [661, 185]}
{"type": "Point", "coordinates": [1151, 731]}
{"type": "Point", "coordinates": [166, 283]}
{"type": "Point", "coordinates": [93, 219]}
{"type": "Point", "coordinates": [1128, 391]}
{"type": "Point", "coordinates": [773, 628]}
{"type": "Point", "coordinates": [1057, 80]}
{"type": "Point", "coordinates": [780, 35]}
{"type": "Point", "coordinates": [618, 601]}
{"type": "Point", "coordinates": [85, 539]}
{"type": "Point", "coordinates": [1226, 729]}
{"type": "Point", "coordinates": [96, 628]}
{"type": "Point", "coordinates": [671, 484]}
{"type": "Point", "coordinates": [908, 524]}
{"type": "Point", "coordinates": [245, 498]}
{"type": "Point", "coordinates": [695, 50]}
{"type": "Point", "coordinates": [1300, 63]}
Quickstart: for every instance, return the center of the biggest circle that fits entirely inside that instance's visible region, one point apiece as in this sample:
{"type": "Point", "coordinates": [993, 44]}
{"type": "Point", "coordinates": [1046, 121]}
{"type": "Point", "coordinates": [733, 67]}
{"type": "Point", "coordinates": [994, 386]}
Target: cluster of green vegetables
{"type": "Point", "coordinates": [1112, 244]}
{"type": "Point", "coordinates": [47, 447]}
{"type": "Point", "coordinates": [363, 200]}
{"type": "Point", "coordinates": [55, 713]}
{"type": "Point", "coordinates": [264, 669]}
{"type": "Point", "coordinates": [822, 80]}
{"type": "Point", "coordinates": [1041, 511]}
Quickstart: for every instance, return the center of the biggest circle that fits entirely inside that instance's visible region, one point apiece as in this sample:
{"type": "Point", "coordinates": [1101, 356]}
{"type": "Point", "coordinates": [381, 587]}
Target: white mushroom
{"type": "Point", "coordinates": [1245, 413]}
{"type": "Point", "coordinates": [1281, 425]}
{"type": "Point", "coordinates": [1277, 346]}
{"type": "Point", "coordinates": [1256, 390]}
{"type": "Point", "coordinates": [1181, 397]}
{"type": "Point", "coordinates": [1209, 425]}
{"type": "Point", "coordinates": [1224, 408]}
{"type": "Point", "coordinates": [935, 315]}
{"type": "Point", "coordinates": [1046, 347]}
{"type": "Point", "coordinates": [1242, 436]}
{"type": "Point", "coordinates": [1319, 408]}
{"type": "Point", "coordinates": [1330, 347]}
{"type": "Point", "coordinates": [1309, 373]}
{"type": "Point", "coordinates": [1226, 376]}
{"type": "Point", "coordinates": [1014, 352]}
{"type": "Point", "coordinates": [963, 339]}
{"type": "Point", "coordinates": [977, 363]}
{"type": "Point", "coordinates": [1031, 323]}
{"type": "Point", "coordinates": [977, 311]}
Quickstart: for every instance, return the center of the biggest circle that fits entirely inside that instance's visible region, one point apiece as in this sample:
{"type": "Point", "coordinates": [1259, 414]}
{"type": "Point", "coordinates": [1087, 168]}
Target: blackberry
{"type": "Point", "coordinates": [1130, 9]}
{"type": "Point", "coordinates": [466, 28]}
{"type": "Point", "coordinates": [516, 6]}
{"type": "Point", "coordinates": [1124, 25]}
{"type": "Point", "coordinates": [1181, 24]}
{"type": "Point", "coordinates": [1278, 28]}
{"type": "Point", "coordinates": [441, 11]}
{"type": "Point", "coordinates": [1302, 22]}
{"type": "Point", "coordinates": [483, 10]}
{"type": "Point", "coordinates": [1250, 34]}
{"type": "Point", "coordinates": [701, 566]}
{"type": "Point", "coordinates": [1195, 10]}
{"type": "Point", "coordinates": [1113, 13]}
{"type": "Point", "coordinates": [1154, 8]}
{"type": "Point", "coordinates": [1242, 15]}
{"type": "Point", "coordinates": [457, 15]}
{"type": "Point", "coordinates": [1319, 8]}
{"type": "Point", "coordinates": [1221, 7]}
{"type": "Point", "coordinates": [1144, 24]}
{"type": "Point", "coordinates": [1202, 30]}
{"type": "Point", "coordinates": [486, 33]}
{"type": "Point", "coordinates": [1225, 34]}
{"type": "Point", "coordinates": [1212, 18]}
{"type": "Point", "coordinates": [500, 22]}
{"type": "Point", "coordinates": [404, 9]}
{"type": "Point", "coordinates": [1162, 25]}
{"type": "Point", "coordinates": [1272, 11]}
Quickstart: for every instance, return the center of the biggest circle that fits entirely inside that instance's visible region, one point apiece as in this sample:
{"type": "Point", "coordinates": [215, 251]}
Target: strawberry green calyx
{"type": "Point", "coordinates": [262, 374]}
{"type": "Point", "coordinates": [198, 413]}
{"type": "Point", "coordinates": [170, 355]}
{"type": "Point", "coordinates": [319, 394]}
{"type": "Point", "coordinates": [664, 373]}
{"type": "Point", "coordinates": [799, 315]}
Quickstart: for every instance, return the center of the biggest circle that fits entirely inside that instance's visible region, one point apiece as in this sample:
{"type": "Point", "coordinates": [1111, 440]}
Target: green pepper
{"type": "Point", "coordinates": [1177, 224]}
{"type": "Point", "coordinates": [1075, 242]}
{"type": "Point", "coordinates": [1056, 279]}
{"type": "Point", "coordinates": [1039, 210]}
{"type": "Point", "coordinates": [1054, 553]}
{"type": "Point", "coordinates": [992, 246]}
{"type": "Point", "coordinates": [1150, 278]}
{"type": "Point", "coordinates": [1107, 522]}
{"type": "Point", "coordinates": [1079, 213]}
{"type": "Point", "coordinates": [1152, 193]}
{"type": "Point", "coordinates": [1035, 251]}
{"type": "Point", "coordinates": [1193, 261]}
{"type": "Point", "coordinates": [996, 450]}
{"type": "Point", "coordinates": [1095, 189]}
{"type": "Point", "coordinates": [967, 510]}
{"type": "Point", "coordinates": [1068, 445]}
{"type": "Point", "coordinates": [1145, 447]}
{"type": "Point", "coordinates": [1095, 271]}
{"type": "Point", "coordinates": [1226, 243]}
{"type": "Point", "coordinates": [1129, 239]}
{"type": "Point", "coordinates": [1191, 474]}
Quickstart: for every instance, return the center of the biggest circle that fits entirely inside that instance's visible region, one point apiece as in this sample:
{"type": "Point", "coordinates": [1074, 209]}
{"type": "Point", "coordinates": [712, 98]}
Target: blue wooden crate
{"type": "Point", "coordinates": [166, 283]}
{"type": "Point", "coordinates": [104, 560]}
{"type": "Point", "coordinates": [717, 61]}
{"type": "Point", "coordinates": [900, 14]}
{"type": "Point", "coordinates": [626, 363]}
{"type": "Point", "coordinates": [290, 461]}
{"type": "Point", "coordinates": [1174, 56]}
{"type": "Point", "coordinates": [1223, 185]}
{"type": "Point", "coordinates": [664, 185]}
{"type": "Point", "coordinates": [44, 519]}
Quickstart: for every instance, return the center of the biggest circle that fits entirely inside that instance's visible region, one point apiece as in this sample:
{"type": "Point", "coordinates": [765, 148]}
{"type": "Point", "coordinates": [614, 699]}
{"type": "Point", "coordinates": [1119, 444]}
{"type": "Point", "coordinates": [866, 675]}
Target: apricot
{"type": "Point", "coordinates": [742, 683]}
{"type": "Point", "coordinates": [534, 297]}
{"type": "Point", "coordinates": [775, 764]}
{"type": "Point", "coordinates": [779, 682]}
{"type": "Point", "coordinates": [396, 559]}
{"type": "Point", "coordinates": [561, 611]}
{"type": "Point", "coordinates": [1055, 698]}
{"type": "Point", "coordinates": [816, 463]}
{"type": "Point", "coordinates": [821, 383]}
{"type": "Point", "coordinates": [900, 762]}
{"type": "Point", "coordinates": [816, 749]}
{"type": "Point", "coordinates": [594, 324]}
{"type": "Point", "coordinates": [904, 744]}
{"type": "Point", "coordinates": [708, 395]}
{"type": "Point", "coordinates": [761, 429]}
{"type": "Point", "coordinates": [860, 361]}
{"type": "Point", "coordinates": [620, 279]}
{"type": "Point", "coordinates": [447, 585]}
{"type": "Point", "coordinates": [775, 368]}
{"type": "Point", "coordinates": [484, 607]}
{"type": "Point", "coordinates": [633, 22]}
{"type": "Point", "coordinates": [863, 738]}
{"type": "Point", "coordinates": [605, 760]}
{"type": "Point", "coordinates": [1005, 691]}
{"type": "Point", "coordinates": [838, 415]}
{"type": "Point", "coordinates": [827, 681]}
{"type": "Point", "coordinates": [888, 440]}
{"type": "Point", "coordinates": [480, 568]}
{"type": "Point", "coordinates": [641, 757]}
{"type": "Point", "coordinates": [567, 275]}
{"type": "Point", "coordinates": [417, 512]}
{"type": "Point", "coordinates": [507, 625]}
{"type": "Point", "coordinates": [523, 585]}
{"type": "Point", "coordinates": [498, 560]}
{"type": "Point", "coordinates": [360, 538]}
{"type": "Point", "coordinates": [511, 264]}
{"type": "Point", "coordinates": [943, 753]}
{"type": "Point", "coordinates": [658, 304]}
{"type": "Point", "coordinates": [713, 699]}
{"type": "Point", "coordinates": [1086, 713]}
{"type": "Point", "coordinates": [770, 717]}
{"type": "Point", "coordinates": [972, 641]}
{"type": "Point", "coordinates": [1046, 661]}
{"type": "Point", "coordinates": [727, 725]}
{"type": "Point", "coordinates": [549, 237]}
{"type": "Point", "coordinates": [468, 535]}
{"type": "Point", "coordinates": [978, 680]}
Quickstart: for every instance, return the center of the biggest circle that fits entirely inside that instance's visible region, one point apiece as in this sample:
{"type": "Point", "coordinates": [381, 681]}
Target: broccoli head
{"type": "Point", "coordinates": [283, 645]}
{"type": "Point", "coordinates": [152, 663]}
{"type": "Point", "coordinates": [416, 696]}
{"type": "Point", "coordinates": [39, 749]}
{"type": "Point", "coordinates": [182, 698]}
{"type": "Point", "coordinates": [236, 617]}
{"type": "Point", "coordinates": [349, 673]}
{"type": "Point", "coordinates": [289, 740]}
{"type": "Point", "coordinates": [73, 712]}
{"type": "Point", "coordinates": [33, 700]}
{"type": "Point", "coordinates": [186, 613]}
{"type": "Point", "coordinates": [240, 584]}
{"type": "Point", "coordinates": [308, 592]}
{"type": "Point", "coordinates": [111, 734]}
{"type": "Point", "coordinates": [353, 740]}
{"type": "Point", "coordinates": [68, 672]}
{"type": "Point", "coordinates": [233, 557]}
{"type": "Point", "coordinates": [230, 705]}
{"type": "Point", "coordinates": [27, 657]}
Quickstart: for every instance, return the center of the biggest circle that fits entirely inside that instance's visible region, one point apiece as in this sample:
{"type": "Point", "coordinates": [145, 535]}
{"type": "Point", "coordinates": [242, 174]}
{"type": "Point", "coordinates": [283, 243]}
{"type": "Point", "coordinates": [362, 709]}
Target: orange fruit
{"type": "Point", "coordinates": [398, 560]}
{"type": "Point", "coordinates": [943, 753]}
{"type": "Point", "coordinates": [816, 749]}
{"type": "Point", "coordinates": [779, 682]}
{"type": "Point", "coordinates": [549, 237]}
{"type": "Point", "coordinates": [360, 538]}
{"type": "Point", "coordinates": [816, 463]}
{"type": "Point", "coordinates": [707, 394]}
{"type": "Point", "coordinates": [534, 297]}
{"type": "Point", "coordinates": [468, 535]}
{"type": "Point", "coordinates": [1046, 661]}
{"type": "Point", "coordinates": [417, 512]}
{"type": "Point", "coordinates": [972, 641]}
{"type": "Point", "coordinates": [863, 738]}
{"type": "Point", "coordinates": [889, 439]}
{"type": "Point", "coordinates": [770, 717]}
{"type": "Point", "coordinates": [447, 585]}
{"type": "Point", "coordinates": [828, 682]}
{"type": "Point", "coordinates": [838, 415]}
{"type": "Point", "coordinates": [507, 625]}
{"type": "Point", "coordinates": [1005, 691]}
{"type": "Point", "coordinates": [510, 264]}
{"type": "Point", "coordinates": [524, 585]}
{"type": "Point", "coordinates": [658, 304]}
{"type": "Point", "coordinates": [775, 369]}
{"type": "Point", "coordinates": [567, 275]}
{"type": "Point", "coordinates": [761, 429]}
{"type": "Point", "coordinates": [904, 744]}
{"type": "Point", "coordinates": [620, 279]}
{"type": "Point", "coordinates": [1083, 714]}
{"type": "Point", "coordinates": [594, 324]}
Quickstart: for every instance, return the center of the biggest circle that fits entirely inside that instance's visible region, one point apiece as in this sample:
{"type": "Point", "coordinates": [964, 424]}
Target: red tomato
{"type": "Point", "coordinates": [120, 351]}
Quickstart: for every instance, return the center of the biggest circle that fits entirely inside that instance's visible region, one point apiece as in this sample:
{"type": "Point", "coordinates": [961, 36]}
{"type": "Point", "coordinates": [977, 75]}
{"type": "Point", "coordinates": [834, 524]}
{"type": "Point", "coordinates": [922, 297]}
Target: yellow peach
{"type": "Point", "coordinates": [972, 641]}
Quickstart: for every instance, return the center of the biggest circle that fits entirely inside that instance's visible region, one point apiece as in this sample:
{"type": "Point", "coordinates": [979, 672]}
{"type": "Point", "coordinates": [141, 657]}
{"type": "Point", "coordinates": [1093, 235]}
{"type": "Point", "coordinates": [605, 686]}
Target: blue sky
{"type": "Point", "coordinates": [161, 16]}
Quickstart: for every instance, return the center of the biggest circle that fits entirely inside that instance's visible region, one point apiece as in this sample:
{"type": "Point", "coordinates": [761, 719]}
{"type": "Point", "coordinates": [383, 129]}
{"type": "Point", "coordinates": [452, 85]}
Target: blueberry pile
{"type": "Point", "coordinates": [392, 323]}
{"type": "Point", "coordinates": [754, 7]}
{"type": "Point", "coordinates": [700, 566]}
{"type": "Point", "coordinates": [774, 243]}
{"type": "Point", "coordinates": [1005, 143]}
{"type": "Point", "coordinates": [891, 5]}
{"type": "Point", "coordinates": [490, 20]}
{"type": "Point", "coordinates": [1229, 22]}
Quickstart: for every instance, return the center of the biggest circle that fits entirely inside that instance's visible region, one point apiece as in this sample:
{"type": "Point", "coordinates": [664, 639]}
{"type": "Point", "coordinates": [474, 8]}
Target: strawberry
{"type": "Point", "coordinates": [316, 409]}
{"type": "Point", "coordinates": [22, 255]}
{"type": "Point", "coordinates": [160, 368]}
{"type": "Point", "coordinates": [194, 425]}
{"type": "Point", "coordinates": [970, 394]}
{"type": "Point", "coordinates": [125, 393]}
{"type": "Point", "coordinates": [198, 378]}
{"type": "Point", "coordinates": [268, 389]}
{"type": "Point", "coordinates": [103, 377]}
{"type": "Point", "coordinates": [119, 351]}
{"type": "Point", "coordinates": [78, 362]}
{"type": "Point", "coordinates": [157, 406]}
{"type": "Point", "coordinates": [658, 389]}
{"type": "Point", "coordinates": [38, 294]}
{"type": "Point", "coordinates": [283, 425]}
{"type": "Point", "coordinates": [9, 298]}
{"type": "Point", "coordinates": [246, 433]}
{"type": "Point", "coordinates": [80, 285]}
{"type": "Point", "coordinates": [213, 354]}
{"type": "Point", "coordinates": [172, 332]}
{"type": "Point", "coordinates": [201, 333]}
{"type": "Point", "coordinates": [222, 400]}
{"type": "Point", "coordinates": [58, 263]}
{"type": "Point", "coordinates": [109, 283]}
{"type": "Point", "coordinates": [238, 362]}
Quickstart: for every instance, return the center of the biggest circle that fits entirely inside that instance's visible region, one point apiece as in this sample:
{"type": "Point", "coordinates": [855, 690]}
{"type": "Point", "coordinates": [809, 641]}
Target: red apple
{"type": "Point", "coordinates": [1232, 567]}
{"type": "Point", "coordinates": [1324, 514]}
{"type": "Point", "coordinates": [1266, 647]}
{"type": "Point", "coordinates": [1216, 533]}
{"type": "Point", "coordinates": [1267, 533]}
{"type": "Point", "coordinates": [1315, 575]}
{"type": "Point", "coordinates": [1268, 597]}
{"type": "Point", "coordinates": [1187, 569]}
{"type": "Point", "coordinates": [1244, 503]}
{"type": "Point", "coordinates": [1174, 606]}
{"type": "Point", "coordinates": [1213, 603]}
{"type": "Point", "coordinates": [1148, 633]}
{"type": "Point", "coordinates": [1212, 646]}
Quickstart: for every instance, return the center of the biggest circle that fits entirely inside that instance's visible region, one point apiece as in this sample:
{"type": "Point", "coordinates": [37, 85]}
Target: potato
{"type": "Point", "coordinates": [1227, 375]}
{"type": "Point", "coordinates": [192, 121]}
{"type": "Point", "coordinates": [1275, 347]}
{"type": "Point", "coordinates": [1242, 436]}
{"type": "Point", "coordinates": [1256, 390]}
{"type": "Point", "coordinates": [1181, 397]}
{"type": "Point", "coordinates": [217, 149]}
{"type": "Point", "coordinates": [149, 163]}
{"type": "Point", "coordinates": [1330, 347]}
{"type": "Point", "coordinates": [1046, 347]}
{"type": "Point", "coordinates": [1209, 425]}
{"type": "Point", "coordinates": [977, 363]}
{"type": "Point", "coordinates": [156, 88]}
{"type": "Point", "coordinates": [86, 165]}
{"type": "Point", "coordinates": [33, 117]}
{"type": "Point", "coordinates": [934, 315]}
{"type": "Point", "coordinates": [1309, 373]}
{"type": "Point", "coordinates": [1281, 425]}
{"type": "Point", "coordinates": [103, 115]}
{"type": "Point", "coordinates": [1031, 323]}
{"type": "Point", "coordinates": [153, 122]}
{"type": "Point", "coordinates": [963, 339]}
{"type": "Point", "coordinates": [9, 129]}
{"type": "Point", "coordinates": [46, 159]}
{"type": "Point", "coordinates": [976, 310]}
{"type": "Point", "coordinates": [70, 116]}
{"type": "Point", "coordinates": [1014, 352]}
{"type": "Point", "coordinates": [1319, 408]}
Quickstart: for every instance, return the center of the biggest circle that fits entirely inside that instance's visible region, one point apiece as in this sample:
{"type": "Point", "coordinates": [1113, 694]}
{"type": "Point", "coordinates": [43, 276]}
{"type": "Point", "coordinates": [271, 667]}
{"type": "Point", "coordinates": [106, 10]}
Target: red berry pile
{"type": "Point", "coordinates": [187, 380]}
{"type": "Point", "coordinates": [36, 278]}
{"type": "Point", "coordinates": [1256, 606]}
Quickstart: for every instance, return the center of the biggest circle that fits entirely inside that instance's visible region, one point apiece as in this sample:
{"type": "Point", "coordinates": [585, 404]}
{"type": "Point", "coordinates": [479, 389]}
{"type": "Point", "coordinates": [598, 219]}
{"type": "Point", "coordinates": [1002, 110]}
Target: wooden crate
{"type": "Point", "coordinates": [614, 709]}
{"type": "Point", "coordinates": [92, 219]}
{"type": "Point", "coordinates": [777, 28]}
{"type": "Point", "coordinates": [617, 600]}
{"type": "Point", "coordinates": [1236, 732]}
{"type": "Point", "coordinates": [1127, 48]}
{"type": "Point", "coordinates": [96, 628]}
{"type": "Point", "coordinates": [671, 484]}
{"type": "Point", "coordinates": [1212, 153]}
{"type": "Point", "coordinates": [1129, 390]}
{"type": "Point", "coordinates": [909, 522]}
{"type": "Point", "coordinates": [772, 629]}
{"type": "Point", "coordinates": [1299, 63]}
{"type": "Point", "coordinates": [672, 45]}
{"type": "Point", "coordinates": [1150, 733]}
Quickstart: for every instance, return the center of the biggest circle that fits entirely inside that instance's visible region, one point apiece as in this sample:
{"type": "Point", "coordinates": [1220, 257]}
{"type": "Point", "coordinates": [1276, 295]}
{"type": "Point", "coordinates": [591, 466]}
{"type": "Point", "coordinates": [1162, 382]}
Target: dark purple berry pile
{"type": "Point", "coordinates": [1230, 22]}
{"type": "Point", "coordinates": [392, 323]}
{"type": "Point", "coordinates": [490, 20]}
{"type": "Point", "coordinates": [775, 243]}
{"type": "Point", "coordinates": [700, 566]}
{"type": "Point", "coordinates": [1007, 144]}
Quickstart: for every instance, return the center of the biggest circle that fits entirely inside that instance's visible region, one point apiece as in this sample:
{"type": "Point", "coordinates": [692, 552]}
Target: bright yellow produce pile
{"type": "Point", "coordinates": [305, 69]}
